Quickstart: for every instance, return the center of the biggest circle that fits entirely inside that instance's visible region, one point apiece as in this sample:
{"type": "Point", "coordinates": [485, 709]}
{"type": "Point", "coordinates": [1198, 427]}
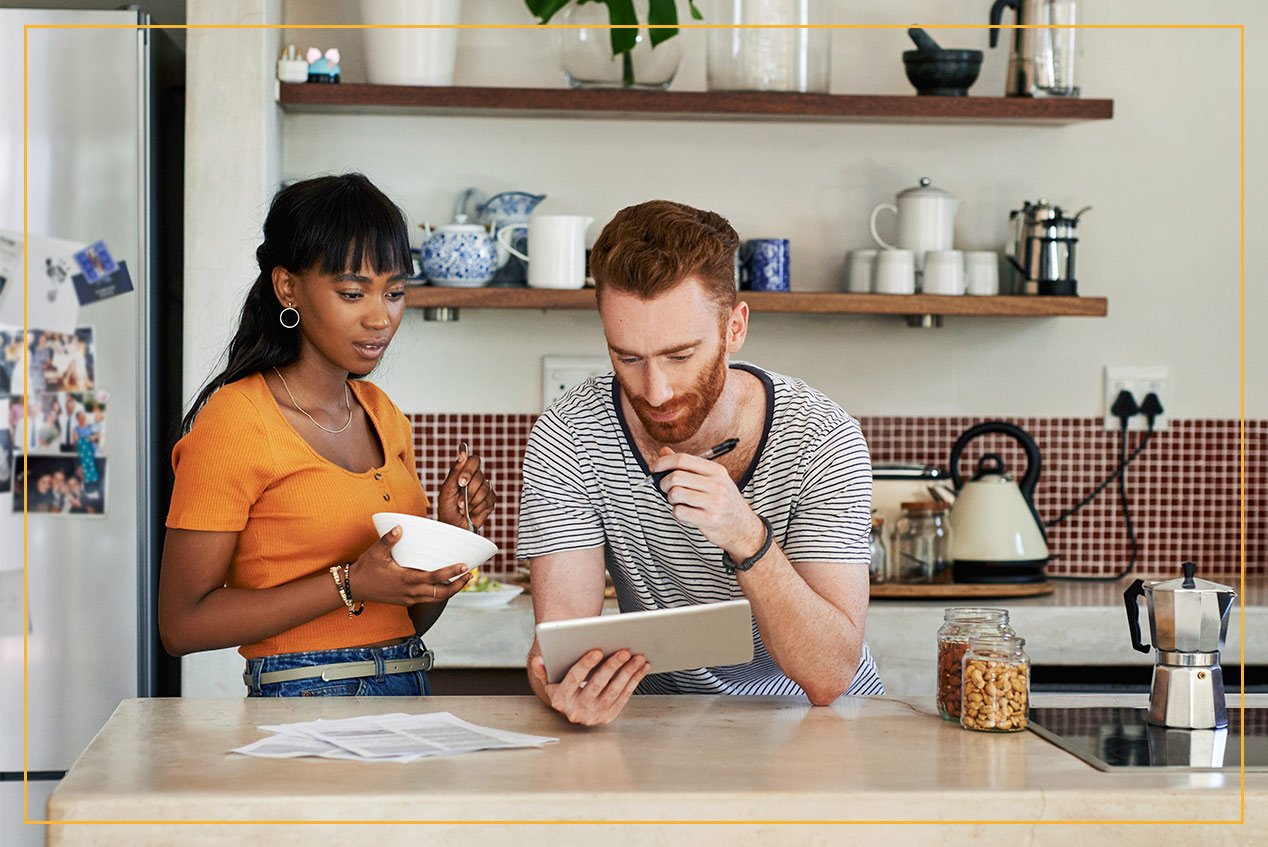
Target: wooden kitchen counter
{"type": "Point", "coordinates": [716, 759]}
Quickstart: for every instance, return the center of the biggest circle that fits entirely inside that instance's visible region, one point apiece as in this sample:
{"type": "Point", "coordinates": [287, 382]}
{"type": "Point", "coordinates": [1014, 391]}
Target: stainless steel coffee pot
{"type": "Point", "coordinates": [1188, 619]}
{"type": "Point", "coordinates": [1042, 248]}
{"type": "Point", "coordinates": [1041, 62]}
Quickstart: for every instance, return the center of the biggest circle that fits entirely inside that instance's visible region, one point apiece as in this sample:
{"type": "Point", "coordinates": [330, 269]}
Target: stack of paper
{"type": "Point", "coordinates": [395, 737]}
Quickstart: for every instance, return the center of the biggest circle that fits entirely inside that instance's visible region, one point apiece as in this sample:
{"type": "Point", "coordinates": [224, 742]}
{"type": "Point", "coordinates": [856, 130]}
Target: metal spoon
{"type": "Point", "coordinates": [464, 447]}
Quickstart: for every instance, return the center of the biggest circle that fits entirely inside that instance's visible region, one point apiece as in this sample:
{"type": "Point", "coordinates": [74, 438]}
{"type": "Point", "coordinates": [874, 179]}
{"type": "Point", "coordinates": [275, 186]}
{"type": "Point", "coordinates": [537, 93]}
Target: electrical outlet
{"type": "Point", "coordinates": [1139, 381]}
{"type": "Point", "coordinates": [560, 373]}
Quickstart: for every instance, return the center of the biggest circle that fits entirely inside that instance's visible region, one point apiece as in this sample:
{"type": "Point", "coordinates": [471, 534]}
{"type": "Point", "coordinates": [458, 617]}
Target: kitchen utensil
{"type": "Point", "coordinates": [465, 449]}
{"type": "Point", "coordinates": [1188, 619]}
{"type": "Point", "coordinates": [944, 272]}
{"type": "Point", "coordinates": [895, 483]}
{"type": "Point", "coordinates": [1041, 59]}
{"type": "Point", "coordinates": [981, 272]}
{"type": "Point", "coordinates": [997, 535]}
{"type": "Point", "coordinates": [430, 545]}
{"type": "Point", "coordinates": [768, 45]}
{"type": "Point", "coordinates": [1042, 248]}
{"type": "Point", "coordinates": [926, 220]}
{"type": "Point", "coordinates": [937, 71]}
{"type": "Point", "coordinates": [558, 247]}
{"type": "Point", "coordinates": [895, 272]}
{"type": "Point", "coordinates": [859, 266]}
{"type": "Point", "coordinates": [459, 255]}
{"type": "Point", "coordinates": [765, 265]}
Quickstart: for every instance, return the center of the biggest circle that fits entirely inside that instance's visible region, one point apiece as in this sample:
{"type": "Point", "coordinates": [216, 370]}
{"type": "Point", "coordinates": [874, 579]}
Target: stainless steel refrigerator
{"type": "Point", "coordinates": [89, 627]}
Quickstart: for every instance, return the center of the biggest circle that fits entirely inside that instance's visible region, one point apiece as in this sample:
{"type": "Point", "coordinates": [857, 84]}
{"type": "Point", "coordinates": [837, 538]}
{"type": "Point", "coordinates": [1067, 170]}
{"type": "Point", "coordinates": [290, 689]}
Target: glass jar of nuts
{"type": "Point", "coordinates": [996, 685]}
{"type": "Point", "coordinates": [960, 625]}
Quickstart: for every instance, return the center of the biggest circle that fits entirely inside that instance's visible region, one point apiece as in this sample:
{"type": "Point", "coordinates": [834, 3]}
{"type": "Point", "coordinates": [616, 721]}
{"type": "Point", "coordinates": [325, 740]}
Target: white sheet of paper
{"type": "Point", "coordinates": [395, 737]}
{"type": "Point", "coordinates": [51, 301]}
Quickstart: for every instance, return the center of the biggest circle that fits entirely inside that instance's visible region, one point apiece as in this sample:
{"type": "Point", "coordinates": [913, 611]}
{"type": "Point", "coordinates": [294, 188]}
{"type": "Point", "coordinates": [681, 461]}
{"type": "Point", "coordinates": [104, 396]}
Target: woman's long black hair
{"type": "Point", "coordinates": [332, 223]}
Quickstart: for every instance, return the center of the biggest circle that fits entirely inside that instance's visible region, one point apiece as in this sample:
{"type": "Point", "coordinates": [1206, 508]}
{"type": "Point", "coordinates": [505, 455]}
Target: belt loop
{"type": "Point", "coordinates": [380, 667]}
{"type": "Point", "coordinates": [255, 674]}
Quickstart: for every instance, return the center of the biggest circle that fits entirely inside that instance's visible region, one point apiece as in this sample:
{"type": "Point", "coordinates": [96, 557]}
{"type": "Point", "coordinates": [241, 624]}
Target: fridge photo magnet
{"type": "Point", "coordinates": [52, 304]}
{"type": "Point", "coordinates": [61, 361]}
{"type": "Point", "coordinates": [59, 485]}
{"type": "Point", "coordinates": [95, 261]}
{"type": "Point", "coordinates": [6, 448]}
{"type": "Point", "coordinates": [112, 284]}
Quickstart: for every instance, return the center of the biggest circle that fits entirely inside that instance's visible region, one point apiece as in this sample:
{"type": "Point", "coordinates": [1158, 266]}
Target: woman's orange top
{"type": "Point", "coordinates": [242, 468]}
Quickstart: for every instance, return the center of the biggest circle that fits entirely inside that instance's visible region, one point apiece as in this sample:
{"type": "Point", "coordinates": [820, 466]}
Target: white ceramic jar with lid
{"type": "Point", "coordinates": [926, 220]}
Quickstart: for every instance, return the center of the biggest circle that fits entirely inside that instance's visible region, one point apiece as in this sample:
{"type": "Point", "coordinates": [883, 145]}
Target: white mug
{"type": "Point", "coordinates": [858, 271]}
{"type": "Point", "coordinates": [943, 273]}
{"type": "Point", "coordinates": [981, 272]}
{"type": "Point", "coordinates": [558, 247]}
{"type": "Point", "coordinates": [895, 272]}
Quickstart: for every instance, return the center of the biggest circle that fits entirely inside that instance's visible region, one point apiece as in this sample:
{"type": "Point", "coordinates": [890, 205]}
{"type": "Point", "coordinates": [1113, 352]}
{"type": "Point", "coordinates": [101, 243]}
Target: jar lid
{"type": "Point", "coordinates": [973, 614]}
{"type": "Point", "coordinates": [925, 506]}
{"type": "Point", "coordinates": [926, 190]}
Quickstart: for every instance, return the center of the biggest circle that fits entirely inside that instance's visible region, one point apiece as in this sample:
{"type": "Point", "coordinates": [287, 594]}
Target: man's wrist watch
{"type": "Point", "coordinates": [731, 566]}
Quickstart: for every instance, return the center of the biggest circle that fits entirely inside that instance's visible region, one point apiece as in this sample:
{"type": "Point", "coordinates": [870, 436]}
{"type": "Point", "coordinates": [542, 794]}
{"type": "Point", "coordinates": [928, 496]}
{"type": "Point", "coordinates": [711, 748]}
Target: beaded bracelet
{"type": "Point", "coordinates": [347, 589]}
{"type": "Point", "coordinates": [344, 595]}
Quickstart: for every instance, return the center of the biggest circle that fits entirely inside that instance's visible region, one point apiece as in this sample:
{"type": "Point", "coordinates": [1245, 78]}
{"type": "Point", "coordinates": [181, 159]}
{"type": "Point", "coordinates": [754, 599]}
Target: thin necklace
{"type": "Point", "coordinates": [346, 403]}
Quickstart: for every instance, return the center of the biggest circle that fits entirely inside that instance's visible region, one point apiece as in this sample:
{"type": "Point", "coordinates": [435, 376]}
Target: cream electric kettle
{"type": "Point", "coordinates": [996, 534]}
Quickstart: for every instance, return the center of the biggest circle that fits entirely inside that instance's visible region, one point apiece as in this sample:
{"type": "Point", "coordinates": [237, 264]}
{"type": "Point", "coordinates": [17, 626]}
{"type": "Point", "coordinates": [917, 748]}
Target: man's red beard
{"type": "Point", "coordinates": [692, 407]}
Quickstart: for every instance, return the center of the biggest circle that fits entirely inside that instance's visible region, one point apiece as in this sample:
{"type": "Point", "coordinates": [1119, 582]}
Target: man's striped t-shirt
{"type": "Point", "coordinates": [583, 488]}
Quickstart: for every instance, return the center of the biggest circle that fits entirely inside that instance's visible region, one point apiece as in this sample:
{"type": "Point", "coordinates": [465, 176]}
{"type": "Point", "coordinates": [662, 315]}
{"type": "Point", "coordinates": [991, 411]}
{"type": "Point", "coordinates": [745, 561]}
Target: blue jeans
{"type": "Point", "coordinates": [410, 684]}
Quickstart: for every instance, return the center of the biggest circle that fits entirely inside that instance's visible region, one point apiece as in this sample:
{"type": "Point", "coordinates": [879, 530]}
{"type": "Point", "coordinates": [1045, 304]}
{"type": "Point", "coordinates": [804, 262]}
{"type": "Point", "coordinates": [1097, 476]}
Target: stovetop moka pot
{"type": "Point", "coordinates": [1188, 619]}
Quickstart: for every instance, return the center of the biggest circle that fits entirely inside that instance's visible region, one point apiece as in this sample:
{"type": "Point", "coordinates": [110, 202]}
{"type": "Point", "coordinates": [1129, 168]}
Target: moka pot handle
{"type": "Point", "coordinates": [1131, 598]}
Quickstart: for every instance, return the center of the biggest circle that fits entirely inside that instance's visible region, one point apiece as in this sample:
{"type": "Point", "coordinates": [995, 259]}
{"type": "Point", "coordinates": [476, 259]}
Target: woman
{"type": "Point", "coordinates": [270, 543]}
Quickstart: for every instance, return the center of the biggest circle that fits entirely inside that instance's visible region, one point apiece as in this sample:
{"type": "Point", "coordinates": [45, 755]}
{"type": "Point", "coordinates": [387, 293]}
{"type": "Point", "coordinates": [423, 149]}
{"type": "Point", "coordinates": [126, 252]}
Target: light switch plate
{"type": "Point", "coordinates": [560, 373]}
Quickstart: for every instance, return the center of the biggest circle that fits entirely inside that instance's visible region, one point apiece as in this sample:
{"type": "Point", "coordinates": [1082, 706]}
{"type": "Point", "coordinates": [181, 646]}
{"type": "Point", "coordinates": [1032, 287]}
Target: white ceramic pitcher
{"type": "Point", "coordinates": [558, 247]}
{"type": "Point", "coordinates": [926, 220]}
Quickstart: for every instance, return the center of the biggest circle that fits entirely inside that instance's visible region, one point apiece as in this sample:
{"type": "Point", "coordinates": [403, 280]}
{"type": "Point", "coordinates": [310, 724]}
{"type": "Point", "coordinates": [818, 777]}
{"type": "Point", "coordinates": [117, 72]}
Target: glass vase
{"type": "Point", "coordinates": [585, 53]}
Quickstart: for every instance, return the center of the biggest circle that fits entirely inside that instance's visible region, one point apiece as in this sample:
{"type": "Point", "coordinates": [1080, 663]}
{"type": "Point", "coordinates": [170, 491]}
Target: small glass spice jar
{"type": "Point", "coordinates": [878, 569]}
{"type": "Point", "coordinates": [996, 685]}
{"type": "Point", "coordinates": [922, 541]}
{"type": "Point", "coordinates": [960, 625]}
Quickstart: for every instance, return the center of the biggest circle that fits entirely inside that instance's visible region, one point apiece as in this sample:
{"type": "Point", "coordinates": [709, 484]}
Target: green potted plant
{"type": "Point", "coordinates": [587, 63]}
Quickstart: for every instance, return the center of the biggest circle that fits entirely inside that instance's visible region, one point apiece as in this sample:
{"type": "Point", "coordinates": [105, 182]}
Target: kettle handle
{"type": "Point", "coordinates": [997, 15]}
{"type": "Point", "coordinates": [1131, 597]}
{"type": "Point", "coordinates": [1034, 461]}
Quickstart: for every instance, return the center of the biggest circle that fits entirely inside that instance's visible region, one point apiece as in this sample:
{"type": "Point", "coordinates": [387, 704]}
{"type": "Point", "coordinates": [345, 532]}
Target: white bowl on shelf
{"type": "Point", "coordinates": [430, 545]}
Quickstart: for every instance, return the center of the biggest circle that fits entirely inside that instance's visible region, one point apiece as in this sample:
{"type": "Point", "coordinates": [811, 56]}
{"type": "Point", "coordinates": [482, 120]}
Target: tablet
{"type": "Point", "coordinates": [678, 639]}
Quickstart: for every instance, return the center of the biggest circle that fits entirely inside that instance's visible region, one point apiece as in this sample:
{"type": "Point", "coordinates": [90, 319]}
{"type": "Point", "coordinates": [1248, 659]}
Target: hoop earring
{"type": "Point", "coordinates": [282, 317]}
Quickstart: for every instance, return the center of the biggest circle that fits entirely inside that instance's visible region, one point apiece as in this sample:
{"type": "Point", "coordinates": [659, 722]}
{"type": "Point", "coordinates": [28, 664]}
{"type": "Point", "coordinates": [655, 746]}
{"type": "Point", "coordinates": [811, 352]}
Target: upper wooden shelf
{"type": "Point", "coordinates": [803, 302]}
{"type": "Point", "coordinates": [685, 105]}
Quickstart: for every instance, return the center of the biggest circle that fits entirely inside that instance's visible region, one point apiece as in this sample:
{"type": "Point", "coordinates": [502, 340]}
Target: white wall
{"type": "Point", "coordinates": [1162, 242]}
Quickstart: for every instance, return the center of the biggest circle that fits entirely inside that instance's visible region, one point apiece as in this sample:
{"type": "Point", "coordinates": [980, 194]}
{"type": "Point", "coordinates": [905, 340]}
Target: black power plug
{"type": "Point", "coordinates": [1151, 408]}
{"type": "Point", "coordinates": [1124, 407]}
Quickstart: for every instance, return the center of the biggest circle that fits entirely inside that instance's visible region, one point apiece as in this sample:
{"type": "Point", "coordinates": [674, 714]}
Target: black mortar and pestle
{"type": "Point", "coordinates": [936, 71]}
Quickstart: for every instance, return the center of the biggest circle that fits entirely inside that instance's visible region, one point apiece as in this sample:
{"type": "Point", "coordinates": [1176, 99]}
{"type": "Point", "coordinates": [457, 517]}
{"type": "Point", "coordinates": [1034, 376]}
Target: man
{"type": "Point", "coordinates": [800, 479]}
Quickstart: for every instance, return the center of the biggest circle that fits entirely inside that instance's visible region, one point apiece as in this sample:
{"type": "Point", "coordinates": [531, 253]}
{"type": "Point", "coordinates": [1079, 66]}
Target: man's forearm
{"type": "Point", "coordinates": [815, 643]}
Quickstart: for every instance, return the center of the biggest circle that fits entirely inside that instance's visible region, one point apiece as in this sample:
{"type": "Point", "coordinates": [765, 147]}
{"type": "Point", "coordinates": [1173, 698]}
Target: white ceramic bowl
{"type": "Point", "coordinates": [430, 545]}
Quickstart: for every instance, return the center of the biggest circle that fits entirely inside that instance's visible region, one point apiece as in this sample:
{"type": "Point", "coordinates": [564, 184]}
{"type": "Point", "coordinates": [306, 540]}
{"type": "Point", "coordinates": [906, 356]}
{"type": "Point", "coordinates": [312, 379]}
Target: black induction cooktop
{"type": "Point", "coordinates": [1120, 739]}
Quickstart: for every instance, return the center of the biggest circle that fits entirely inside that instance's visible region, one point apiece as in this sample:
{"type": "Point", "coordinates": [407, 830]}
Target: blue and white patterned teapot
{"type": "Point", "coordinates": [460, 255]}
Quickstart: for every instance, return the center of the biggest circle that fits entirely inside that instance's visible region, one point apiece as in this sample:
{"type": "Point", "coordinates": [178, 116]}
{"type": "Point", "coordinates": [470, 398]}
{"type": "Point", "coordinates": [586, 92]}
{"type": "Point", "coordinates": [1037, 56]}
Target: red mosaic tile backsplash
{"type": "Point", "coordinates": [1184, 488]}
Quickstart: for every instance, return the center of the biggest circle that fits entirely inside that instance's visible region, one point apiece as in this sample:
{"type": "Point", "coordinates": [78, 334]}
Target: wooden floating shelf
{"type": "Point", "coordinates": [685, 105]}
{"type": "Point", "coordinates": [805, 302]}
